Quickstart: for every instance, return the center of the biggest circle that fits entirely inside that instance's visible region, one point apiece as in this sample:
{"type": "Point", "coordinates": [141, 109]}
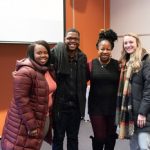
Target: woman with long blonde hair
{"type": "Point", "coordinates": [133, 116]}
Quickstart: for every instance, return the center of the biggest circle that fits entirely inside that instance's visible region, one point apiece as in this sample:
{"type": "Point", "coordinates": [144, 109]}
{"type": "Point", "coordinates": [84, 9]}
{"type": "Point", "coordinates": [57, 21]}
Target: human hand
{"type": "Point", "coordinates": [141, 121]}
{"type": "Point", "coordinates": [33, 132]}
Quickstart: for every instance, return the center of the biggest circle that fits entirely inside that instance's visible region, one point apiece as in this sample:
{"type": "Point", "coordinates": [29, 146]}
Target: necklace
{"type": "Point", "coordinates": [103, 64]}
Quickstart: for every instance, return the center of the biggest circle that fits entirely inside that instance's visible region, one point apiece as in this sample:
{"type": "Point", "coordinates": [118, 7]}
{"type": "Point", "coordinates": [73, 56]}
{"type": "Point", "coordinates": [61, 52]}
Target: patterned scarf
{"type": "Point", "coordinates": [124, 117]}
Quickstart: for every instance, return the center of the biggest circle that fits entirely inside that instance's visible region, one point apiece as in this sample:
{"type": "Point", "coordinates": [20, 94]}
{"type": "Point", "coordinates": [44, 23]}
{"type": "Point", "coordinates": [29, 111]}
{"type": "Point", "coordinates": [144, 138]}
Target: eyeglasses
{"type": "Point", "coordinates": [72, 38]}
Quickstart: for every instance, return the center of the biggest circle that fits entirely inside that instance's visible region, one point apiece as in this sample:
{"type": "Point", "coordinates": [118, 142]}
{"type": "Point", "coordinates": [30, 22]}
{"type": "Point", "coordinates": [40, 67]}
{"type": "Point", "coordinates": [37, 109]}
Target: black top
{"type": "Point", "coordinates": [70, 86]}
{"type": "Point", "coordinates": [71, 81]}
{"type": "Point", "coordinates": [104, 85]}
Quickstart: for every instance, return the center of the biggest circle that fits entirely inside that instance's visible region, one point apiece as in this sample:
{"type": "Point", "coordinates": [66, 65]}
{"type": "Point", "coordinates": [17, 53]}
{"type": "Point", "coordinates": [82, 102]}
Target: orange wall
{"type": "Point", "coordinates": [9, 54]}
{"type": "Point", "coordinates": [88, 20]}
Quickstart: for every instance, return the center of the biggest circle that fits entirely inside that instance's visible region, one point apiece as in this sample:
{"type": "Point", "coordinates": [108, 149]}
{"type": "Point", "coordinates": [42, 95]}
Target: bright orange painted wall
{"type": "Point", "coordinates": [88, 20]}
{"type": "Point", "coordinates": [9, 54]}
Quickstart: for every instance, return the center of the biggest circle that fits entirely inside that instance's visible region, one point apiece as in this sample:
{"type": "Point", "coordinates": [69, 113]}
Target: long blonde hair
{"type": "Point", "coordinates": [136, 56]}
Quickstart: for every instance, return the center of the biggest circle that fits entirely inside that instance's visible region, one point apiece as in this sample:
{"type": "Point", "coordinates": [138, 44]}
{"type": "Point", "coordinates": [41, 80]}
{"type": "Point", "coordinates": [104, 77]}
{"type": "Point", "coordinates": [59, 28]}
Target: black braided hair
{"type": "Point", "coordinates": [109, 35]}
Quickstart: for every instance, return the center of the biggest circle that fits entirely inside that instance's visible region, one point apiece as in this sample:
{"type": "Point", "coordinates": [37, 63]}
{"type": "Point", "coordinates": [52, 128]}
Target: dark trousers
{"type": "Point", "coordinates": [66, 123]}
{"type": "Point", "coordinates": [104, 132]}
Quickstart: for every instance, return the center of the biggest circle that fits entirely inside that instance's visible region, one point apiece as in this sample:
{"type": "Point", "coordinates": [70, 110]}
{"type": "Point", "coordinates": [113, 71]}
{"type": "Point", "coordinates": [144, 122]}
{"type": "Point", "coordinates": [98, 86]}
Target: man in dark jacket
{"type": "Point", "coordinates": [69, 101]}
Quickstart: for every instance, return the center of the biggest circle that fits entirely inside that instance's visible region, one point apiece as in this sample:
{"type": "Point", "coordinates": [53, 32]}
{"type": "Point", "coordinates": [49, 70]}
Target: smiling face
{"type": "Point", "coordinates": [72, 40]}
{"type": "Point", "coordinates": [129, 44]}
{"type": "Point", "coordinates": [104, 51]}
{"type": "Point", "coordinates": [40, 54]}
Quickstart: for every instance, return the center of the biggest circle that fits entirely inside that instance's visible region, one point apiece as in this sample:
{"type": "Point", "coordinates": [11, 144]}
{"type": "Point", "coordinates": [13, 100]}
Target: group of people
{"type": "Point", "coordinates": [49, 94]}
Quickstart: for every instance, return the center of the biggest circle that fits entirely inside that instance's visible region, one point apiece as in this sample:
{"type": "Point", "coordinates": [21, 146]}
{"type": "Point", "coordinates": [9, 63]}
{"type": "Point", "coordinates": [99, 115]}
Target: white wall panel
{"type": "Point", "coordinates": [130, 16]}
{"type": "Point", "coordinates": [30, 20]}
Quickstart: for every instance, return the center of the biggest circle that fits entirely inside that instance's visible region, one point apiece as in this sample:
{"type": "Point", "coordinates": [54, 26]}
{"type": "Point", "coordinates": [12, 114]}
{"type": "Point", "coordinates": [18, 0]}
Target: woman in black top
{"type": "Point", "coordinates": [104, 78]}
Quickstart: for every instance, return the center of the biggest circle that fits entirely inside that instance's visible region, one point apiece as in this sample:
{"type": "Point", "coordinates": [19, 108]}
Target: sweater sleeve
{"type": "Point", "coordinates": [145, 103]}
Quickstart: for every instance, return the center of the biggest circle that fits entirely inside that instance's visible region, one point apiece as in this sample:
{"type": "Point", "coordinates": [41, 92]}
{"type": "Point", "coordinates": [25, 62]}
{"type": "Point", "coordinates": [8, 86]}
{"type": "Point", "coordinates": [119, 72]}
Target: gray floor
{"type": "Point", "coordinates": [85, 142]}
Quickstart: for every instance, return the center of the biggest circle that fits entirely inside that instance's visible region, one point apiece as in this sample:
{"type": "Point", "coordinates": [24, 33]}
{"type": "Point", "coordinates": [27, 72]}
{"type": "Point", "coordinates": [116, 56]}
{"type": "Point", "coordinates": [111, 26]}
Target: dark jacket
{"type": "Point", "coordinates": [28, 108]}
{"type": "Point", "coordinates": [59, 52]}
{"type": "Point", "coordinates": [140, 93]}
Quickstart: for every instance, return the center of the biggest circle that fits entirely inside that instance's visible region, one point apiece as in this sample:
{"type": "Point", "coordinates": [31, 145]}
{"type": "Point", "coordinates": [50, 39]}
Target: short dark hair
{"type": "Point", "coordinates": [73, 30]}
{"type": "Point", "coordinates": [30, 49]}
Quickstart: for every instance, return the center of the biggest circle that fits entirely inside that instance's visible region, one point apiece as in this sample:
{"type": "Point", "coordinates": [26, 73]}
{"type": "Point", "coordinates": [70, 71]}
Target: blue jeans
{"type": "Point", "coordinates": [140, 141]}
{"type": "Point", "coordinates": [66, 123]}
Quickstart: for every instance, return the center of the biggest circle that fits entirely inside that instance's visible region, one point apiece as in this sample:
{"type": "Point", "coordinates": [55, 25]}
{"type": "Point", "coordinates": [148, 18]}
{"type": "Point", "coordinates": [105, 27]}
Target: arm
{"type": "Point", "coordinates": [54, 60]}
{"type": "Point", "coordinates": [22, 95]}
{"type": "Point", "coordinates": [145, 102]}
